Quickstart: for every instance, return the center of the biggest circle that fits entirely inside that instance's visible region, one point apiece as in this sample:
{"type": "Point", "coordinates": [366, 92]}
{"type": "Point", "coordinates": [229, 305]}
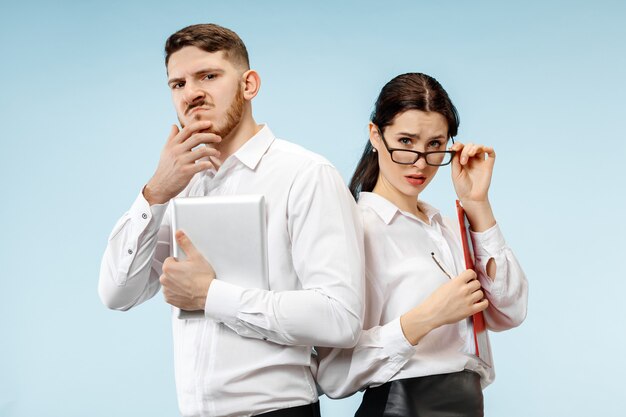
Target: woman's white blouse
{"type": "Point", "coordinates": [400, 274]}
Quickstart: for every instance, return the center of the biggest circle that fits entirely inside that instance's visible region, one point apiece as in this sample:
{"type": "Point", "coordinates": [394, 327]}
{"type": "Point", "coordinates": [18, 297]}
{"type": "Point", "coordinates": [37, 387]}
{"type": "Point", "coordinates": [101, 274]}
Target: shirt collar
{"type": "Point", "coordinates": [251, 152]}
{"type": "Point", "coordinates": [431, 212]}
{"type": "Point", "coordinates": [386, 210]}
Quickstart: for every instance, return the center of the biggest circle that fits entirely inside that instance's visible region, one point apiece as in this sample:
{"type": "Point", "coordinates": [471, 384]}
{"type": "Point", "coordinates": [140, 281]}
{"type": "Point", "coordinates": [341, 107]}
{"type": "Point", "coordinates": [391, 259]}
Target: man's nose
{"type": "Point", "coordinates": [193, 93]}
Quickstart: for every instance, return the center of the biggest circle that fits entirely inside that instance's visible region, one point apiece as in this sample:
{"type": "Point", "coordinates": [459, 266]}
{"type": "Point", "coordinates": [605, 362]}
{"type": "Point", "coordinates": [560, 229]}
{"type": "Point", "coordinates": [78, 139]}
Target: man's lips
{"type": "Point", "coordinates": [415, 179]}
{"type": "Point", "coordinates": [196, 109]}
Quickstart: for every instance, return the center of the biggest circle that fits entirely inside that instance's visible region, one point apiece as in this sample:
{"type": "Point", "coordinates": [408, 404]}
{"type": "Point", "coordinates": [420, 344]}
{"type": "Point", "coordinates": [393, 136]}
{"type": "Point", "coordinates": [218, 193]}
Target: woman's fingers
{"type": "Point", "coordinates": [466, 153]}
{"type": "Point", "coordinates": [480, 306]}
{"type": "Point", "coordinates": [472, 150]}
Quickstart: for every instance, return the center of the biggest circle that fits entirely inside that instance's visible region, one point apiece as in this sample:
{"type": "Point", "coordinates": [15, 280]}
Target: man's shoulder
{"type": "Point", "coordinates": [297, 155]}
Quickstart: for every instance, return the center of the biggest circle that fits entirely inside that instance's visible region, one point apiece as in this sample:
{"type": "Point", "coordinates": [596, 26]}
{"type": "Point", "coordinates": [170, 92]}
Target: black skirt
{"type": "Point", "coordinates": [448, 395]}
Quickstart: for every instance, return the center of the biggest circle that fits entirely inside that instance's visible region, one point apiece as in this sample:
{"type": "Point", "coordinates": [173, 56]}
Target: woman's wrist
{"type": "Point", "coordinates": [479, 214]}
{"type": "Point", "coordinates": [416, 324]}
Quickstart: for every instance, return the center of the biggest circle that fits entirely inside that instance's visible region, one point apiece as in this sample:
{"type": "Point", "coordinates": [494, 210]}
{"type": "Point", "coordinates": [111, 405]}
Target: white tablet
{"type": "Point", "coordinates": [231, 233]}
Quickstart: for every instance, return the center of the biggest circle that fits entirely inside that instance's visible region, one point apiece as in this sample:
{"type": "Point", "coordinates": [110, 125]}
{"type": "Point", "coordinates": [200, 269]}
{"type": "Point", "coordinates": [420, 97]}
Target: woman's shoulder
{"type": "Point", "coordinates": [373, 219]}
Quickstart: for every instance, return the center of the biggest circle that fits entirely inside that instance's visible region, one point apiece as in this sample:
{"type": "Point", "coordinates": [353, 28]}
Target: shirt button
{"type": "Point", "coordinates": [130, 251]}
{"type": "Point", "coordinates": [144, 216]}
{"type": "Point", "coordinates": [265, 338]}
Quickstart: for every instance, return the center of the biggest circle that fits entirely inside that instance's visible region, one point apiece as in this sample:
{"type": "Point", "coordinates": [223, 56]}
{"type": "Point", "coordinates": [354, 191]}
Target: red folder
{"type": "Point", "coordinates": [481, 340]}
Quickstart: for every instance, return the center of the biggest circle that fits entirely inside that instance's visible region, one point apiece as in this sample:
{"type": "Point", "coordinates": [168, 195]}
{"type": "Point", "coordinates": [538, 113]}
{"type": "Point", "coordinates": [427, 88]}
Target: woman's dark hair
{"type": "Point", "coordinates": [412, 91]}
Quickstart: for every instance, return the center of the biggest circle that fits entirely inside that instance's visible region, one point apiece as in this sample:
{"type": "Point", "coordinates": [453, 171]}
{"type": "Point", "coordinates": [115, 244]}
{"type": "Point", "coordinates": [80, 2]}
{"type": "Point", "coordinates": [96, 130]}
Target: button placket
{"type": "Point", "coordinates": [230, 181]}
{"type": "Point", "coordinates": [217, 184]}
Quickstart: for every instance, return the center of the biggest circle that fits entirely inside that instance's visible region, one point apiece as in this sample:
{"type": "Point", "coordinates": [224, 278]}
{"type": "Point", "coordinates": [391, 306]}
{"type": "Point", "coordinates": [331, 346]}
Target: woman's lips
{"type": "Point", "coordinates": [415, 180]}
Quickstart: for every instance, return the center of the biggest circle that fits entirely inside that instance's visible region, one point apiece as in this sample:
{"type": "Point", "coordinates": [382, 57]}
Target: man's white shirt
{"type": "Point", "coordinates": [252, 352]}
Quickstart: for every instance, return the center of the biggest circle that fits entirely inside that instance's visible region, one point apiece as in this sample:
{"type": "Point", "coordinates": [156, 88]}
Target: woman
{"type": "Point", "coordinates": [415, 355]}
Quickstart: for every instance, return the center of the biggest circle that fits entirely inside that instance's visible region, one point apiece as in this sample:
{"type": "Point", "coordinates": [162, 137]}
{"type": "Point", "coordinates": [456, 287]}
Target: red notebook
{"type": "Point", "coordinates": [481, 340]}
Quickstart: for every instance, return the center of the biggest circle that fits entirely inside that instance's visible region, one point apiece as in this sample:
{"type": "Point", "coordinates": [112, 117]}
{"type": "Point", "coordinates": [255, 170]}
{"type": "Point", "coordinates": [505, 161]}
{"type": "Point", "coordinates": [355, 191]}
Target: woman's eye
{"type": "Point", "coordinates": [434, 144]}
{"type": "Point", "coordinates": [404, 141]}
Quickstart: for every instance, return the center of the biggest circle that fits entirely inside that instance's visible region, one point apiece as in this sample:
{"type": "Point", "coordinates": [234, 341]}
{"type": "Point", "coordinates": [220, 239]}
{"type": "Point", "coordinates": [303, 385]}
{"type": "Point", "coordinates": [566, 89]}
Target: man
{"type": "Point", "coordinates": [251, 355]}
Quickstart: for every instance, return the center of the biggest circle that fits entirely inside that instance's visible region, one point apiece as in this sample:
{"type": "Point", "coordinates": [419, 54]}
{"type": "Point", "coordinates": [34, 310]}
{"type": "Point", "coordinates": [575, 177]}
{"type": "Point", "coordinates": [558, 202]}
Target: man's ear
{"type": "Point", "coordinates": [251, 84]}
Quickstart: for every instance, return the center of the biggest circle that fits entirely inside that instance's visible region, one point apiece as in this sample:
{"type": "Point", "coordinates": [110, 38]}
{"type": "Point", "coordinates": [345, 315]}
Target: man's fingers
{"type": "Point", "coordinates": [185, 244]}
{"type": "Point", "coordinates": [203, 165]}
{"type": "Point", "coordinates": [189, 130]}
{"type": "Point", "coordinates": [199, 153]}
{"type": "Point", "coordinates": [216, 162]}
{"type": "Point", "coordinates": [164, 280]}
{"type": "Point", "coordinates": [167, 265]}
{"type": "Point", "coordinates": [173, 132]}
{"type": "Point", "coordinates": [201, 138]}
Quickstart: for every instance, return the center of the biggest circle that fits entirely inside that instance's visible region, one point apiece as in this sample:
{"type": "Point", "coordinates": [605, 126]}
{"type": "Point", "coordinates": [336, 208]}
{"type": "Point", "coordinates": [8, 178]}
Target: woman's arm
{"type": "Point", "coordinates": [382, 351]}
{"type": "Point", "coordinates": [505, 285]}
{"type": "Point", "coordinates": [499, 272]}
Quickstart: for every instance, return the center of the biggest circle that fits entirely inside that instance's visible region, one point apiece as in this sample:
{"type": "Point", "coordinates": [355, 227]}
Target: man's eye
{"type": "Point", "coordinates": [209, 76]}
{"type": "Point", "coordinates": [177, 85]}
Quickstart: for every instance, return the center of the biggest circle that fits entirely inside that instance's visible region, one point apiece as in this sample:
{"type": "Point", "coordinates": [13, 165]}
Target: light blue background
{"type": "Point", "coordinates": [85, 111]}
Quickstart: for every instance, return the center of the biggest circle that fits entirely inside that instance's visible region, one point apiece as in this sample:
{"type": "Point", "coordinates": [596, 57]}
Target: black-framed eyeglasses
{"type": "Point", "coordinates": [409, 157]}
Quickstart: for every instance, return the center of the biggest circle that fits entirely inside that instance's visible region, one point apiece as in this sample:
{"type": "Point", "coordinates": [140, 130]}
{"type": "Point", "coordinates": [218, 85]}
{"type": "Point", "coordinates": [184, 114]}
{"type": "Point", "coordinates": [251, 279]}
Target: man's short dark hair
{"type": "Point", "coordinates": [210, 38]}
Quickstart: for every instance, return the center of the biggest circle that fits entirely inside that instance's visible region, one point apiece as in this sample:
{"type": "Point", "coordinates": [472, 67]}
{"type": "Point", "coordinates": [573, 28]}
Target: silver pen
{"type": "Point", "coordinates": [440, 265]}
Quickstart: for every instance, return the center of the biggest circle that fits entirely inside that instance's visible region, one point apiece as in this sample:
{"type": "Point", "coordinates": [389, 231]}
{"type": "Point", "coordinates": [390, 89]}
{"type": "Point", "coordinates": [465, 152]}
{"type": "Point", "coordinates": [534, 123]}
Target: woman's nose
{"type": "Point", "coordinates": [421, 162]}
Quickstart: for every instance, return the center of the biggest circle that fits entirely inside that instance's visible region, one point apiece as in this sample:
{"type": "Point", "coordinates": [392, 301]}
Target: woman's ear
{"type": "Point", "coordinates": [251, 84]}
{"type": "Point", "coordinates": [374, 136]}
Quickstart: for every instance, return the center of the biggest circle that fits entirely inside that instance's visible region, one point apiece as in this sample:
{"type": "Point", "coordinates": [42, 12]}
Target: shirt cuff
{"type": "Point", "coordinates": [141, 212]}
{"type": "Point", "coordinates": [223, 301]}
{"type": "Point", "coordinates": [488, 243]}
{"type": "Point", "coordinates": [394, 343]}
{"type": "Point", "coordinates": [142, 218]}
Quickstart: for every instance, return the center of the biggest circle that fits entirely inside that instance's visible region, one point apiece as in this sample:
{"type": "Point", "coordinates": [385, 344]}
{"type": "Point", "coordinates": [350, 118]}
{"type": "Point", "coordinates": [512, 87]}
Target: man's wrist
{"type": "Point", "coordinates": [201, 300]}
{"type": "Point", "coordinates": [152, 196]}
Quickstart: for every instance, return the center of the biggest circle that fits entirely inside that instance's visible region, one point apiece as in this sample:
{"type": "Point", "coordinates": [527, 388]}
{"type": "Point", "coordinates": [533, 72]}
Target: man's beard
{"type": "Point", "coordinates": [231, 119]}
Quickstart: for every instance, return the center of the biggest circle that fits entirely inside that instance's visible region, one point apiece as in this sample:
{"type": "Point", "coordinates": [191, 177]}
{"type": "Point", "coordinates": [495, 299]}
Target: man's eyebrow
{"type": "Point", "coordinates": [174, 80]}
{"type": "Point", "coordinates": [197, 73]}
